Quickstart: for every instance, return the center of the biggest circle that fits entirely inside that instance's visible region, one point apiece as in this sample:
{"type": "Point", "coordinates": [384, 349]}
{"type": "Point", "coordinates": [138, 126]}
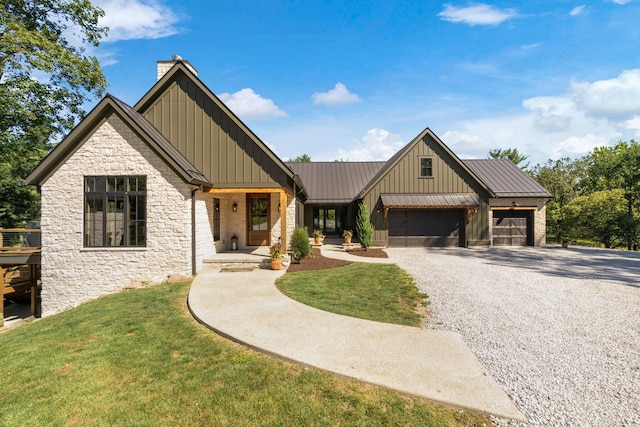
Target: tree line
{"type": "Point", "coordinates": [596, 198]}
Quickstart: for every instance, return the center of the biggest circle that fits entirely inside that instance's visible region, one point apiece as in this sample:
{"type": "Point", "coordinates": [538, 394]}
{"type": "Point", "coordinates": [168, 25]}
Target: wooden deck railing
{"type": "Point", "coordinates": [19, 266]}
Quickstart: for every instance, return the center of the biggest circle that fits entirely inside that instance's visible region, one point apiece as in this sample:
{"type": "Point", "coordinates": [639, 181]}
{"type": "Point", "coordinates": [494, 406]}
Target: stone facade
{"type": "Point", "coordinates": [72, 273]}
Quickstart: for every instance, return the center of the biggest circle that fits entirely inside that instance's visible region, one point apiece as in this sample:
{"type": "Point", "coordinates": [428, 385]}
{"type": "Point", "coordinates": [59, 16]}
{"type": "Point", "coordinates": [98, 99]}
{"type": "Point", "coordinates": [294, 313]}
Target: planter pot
{"type": "Point", "coordinates": [317, 240]}
{"type": "Point", "coordinates": [347, 240]}
{"type": "Point", "coordinates": [276, 263]}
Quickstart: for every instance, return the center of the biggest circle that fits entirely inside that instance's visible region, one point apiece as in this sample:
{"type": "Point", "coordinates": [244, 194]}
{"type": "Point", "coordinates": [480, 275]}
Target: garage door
{"type": "Point", "coordinates": [425, 227]}
{"type": "Point", "coordinates": [512, 228]}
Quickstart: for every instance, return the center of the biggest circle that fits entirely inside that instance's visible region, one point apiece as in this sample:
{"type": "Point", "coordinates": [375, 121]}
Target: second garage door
{"type": "Point", "coordinates": [426, 227]}
{"type": "Point", "coordinates": [512, 228]}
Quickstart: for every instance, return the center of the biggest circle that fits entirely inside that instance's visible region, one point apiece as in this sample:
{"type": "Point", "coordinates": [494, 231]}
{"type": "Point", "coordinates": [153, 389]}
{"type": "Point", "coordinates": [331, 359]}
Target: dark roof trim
{"type": "Point", "coordinates": [145, 130]}
{"type": "Point", "coordinates": [166, 80]}
{"type": "Point", "coordinates": [433, 201]}
{"type": "Point", "coordinates": [391, 163]}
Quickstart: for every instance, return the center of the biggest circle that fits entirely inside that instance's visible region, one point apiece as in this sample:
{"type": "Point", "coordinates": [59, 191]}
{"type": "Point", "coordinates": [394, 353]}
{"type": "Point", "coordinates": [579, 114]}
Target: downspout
{"type": "Point", "coordinates": [193, 230]}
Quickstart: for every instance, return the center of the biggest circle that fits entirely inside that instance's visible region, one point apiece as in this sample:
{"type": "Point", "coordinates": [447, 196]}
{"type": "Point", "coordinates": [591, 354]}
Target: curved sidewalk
{"type": "Point", "coordinates": [437, 365]}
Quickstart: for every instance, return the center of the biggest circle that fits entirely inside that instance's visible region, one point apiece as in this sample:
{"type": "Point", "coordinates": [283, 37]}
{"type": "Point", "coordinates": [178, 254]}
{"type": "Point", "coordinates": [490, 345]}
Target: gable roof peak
{"type": "Point", "coordinates": [163, 66]}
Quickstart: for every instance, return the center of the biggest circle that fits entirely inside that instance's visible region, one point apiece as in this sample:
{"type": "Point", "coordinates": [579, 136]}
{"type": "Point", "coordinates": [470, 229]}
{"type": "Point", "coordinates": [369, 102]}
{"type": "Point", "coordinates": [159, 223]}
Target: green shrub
{"type": "Point", "coordinates": [364, 228]}
{"type": "Point", "coordinates": [300, 246]}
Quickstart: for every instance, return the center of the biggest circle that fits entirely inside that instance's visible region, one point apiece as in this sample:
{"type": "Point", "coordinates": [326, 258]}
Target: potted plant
{"type": "Point", "coordinates": [317, 236]}
{"type": "Point", "coordinates": [347, 234]}
{"type": "Point", "coordinates": [276, 256]}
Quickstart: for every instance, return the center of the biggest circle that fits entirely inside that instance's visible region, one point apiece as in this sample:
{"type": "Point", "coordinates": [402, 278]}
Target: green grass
{"type": "Point", "coordinates": [380, 292]}
{"type": "Point", "coordinates": [138, 358]}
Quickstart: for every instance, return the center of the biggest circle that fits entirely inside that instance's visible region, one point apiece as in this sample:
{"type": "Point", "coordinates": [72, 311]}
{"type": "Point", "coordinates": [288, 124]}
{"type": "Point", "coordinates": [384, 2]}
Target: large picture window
{"type": "Point", "coordinates": [115, 211]}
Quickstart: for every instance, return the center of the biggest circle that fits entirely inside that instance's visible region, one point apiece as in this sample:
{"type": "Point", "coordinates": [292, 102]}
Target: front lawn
{"type": "Point", "coordinates": [380, 292]}
{"type": "Point", "coordinates": [137, 358]}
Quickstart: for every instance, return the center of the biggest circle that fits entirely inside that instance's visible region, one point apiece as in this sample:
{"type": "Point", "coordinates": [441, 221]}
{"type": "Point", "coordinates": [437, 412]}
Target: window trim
{"type": "Point", "coordinates": [105, 195]}
{"type": "Point", "coordinates": [421, 175]}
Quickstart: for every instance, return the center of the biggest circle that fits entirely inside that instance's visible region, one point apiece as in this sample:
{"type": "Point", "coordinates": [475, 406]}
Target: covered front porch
{"type": "Point", "coordinates": [245, 218]}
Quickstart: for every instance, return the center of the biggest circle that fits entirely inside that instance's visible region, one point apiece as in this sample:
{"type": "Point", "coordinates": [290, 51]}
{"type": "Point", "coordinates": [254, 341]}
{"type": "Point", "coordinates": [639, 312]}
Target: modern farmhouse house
{"type": "Point", "coordinates": [140, 193]}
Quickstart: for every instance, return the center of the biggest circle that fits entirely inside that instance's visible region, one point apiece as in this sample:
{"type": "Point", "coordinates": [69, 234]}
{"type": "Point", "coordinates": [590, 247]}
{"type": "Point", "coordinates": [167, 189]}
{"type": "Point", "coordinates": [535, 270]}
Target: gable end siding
{"type": "Point", "coordinates": [210, 139]}
{"type": "Point", "coordinates": [448, 177]}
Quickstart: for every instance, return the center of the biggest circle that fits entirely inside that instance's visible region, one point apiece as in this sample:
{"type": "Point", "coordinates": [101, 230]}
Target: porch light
{"type": "Point", "coordinates": [235, 207]}
{"type": "Point", "coordinates": [279, 206]}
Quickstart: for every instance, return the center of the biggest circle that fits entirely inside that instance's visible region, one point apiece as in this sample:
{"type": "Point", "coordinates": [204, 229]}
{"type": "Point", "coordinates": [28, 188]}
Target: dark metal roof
{"type": "Point", "coordinates": [506, 179]}
{"type": "Point", "coordinates": [162, 143]}
{"type": "Point", "coordinates": [149, 134]}
{"type": "Point", "coordinates": [334, 182]}
{"type": "Point", "coordinates": [445, 200]}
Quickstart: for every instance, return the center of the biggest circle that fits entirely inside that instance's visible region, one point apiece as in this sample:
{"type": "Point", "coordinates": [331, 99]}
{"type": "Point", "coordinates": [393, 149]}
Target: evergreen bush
{"type": "Point", "coordinates": [300, 246]}
{"type": "Point", "coordinates": [364, 228]}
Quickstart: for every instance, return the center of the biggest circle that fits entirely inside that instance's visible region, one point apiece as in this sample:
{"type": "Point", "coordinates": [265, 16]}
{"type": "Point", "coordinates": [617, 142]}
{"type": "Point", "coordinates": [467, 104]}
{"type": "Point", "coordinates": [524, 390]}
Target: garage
{"type": "Point", "coordinates": [513, 228]}
{"type": "Point", "coordinates": [434, 220]}
{"type": "Point", "coordinates": [426, 227]}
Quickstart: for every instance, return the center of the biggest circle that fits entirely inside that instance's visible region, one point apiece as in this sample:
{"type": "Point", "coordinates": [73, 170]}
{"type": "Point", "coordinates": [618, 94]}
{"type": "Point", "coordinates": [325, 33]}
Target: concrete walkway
{"type": "Point", "coordinates": [437, 365]}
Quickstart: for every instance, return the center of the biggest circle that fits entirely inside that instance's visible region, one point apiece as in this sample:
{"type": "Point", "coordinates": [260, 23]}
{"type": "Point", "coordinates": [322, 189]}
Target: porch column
{"type": "Point", "coordinates": [283, 219]}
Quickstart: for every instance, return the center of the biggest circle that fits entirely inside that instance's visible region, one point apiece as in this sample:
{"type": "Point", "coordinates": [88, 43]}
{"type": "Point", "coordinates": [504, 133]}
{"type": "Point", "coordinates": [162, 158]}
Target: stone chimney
{"type": "Point", "coordinates": [165, 66]}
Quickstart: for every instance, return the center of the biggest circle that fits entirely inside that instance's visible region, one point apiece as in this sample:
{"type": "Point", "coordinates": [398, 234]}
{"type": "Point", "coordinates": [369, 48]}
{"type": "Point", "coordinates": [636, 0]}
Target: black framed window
{"type": "Point", "coordinates": [426, 167]}
{"type": "Point", "coordinates": [115, 211]}
{"type": "Point", "coordinates": [216, 220]}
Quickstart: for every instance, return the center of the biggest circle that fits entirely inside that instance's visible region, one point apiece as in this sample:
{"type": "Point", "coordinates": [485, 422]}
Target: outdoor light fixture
{"type": "Point", "coordinates": [235, 207]}
{"type": "Point", "coordinates": [279, 206]}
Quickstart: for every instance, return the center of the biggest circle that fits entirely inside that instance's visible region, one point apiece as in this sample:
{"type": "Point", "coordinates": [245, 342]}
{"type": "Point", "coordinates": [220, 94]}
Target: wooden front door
{"type": "Point", "coordinates": [258, 220]}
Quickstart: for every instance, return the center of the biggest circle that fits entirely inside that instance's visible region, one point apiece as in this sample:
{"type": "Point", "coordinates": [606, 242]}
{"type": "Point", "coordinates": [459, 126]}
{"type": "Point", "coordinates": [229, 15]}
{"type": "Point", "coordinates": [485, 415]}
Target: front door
{"type": "Point", "coordinates": [258, 219]}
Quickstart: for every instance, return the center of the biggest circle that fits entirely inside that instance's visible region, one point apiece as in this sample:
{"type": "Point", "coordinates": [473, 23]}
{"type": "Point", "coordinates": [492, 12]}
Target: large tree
{"type": "Point", "coordinates": [618, 167]}
{"type": "Point", "coordinates": [564, 179]}
{"type": "Point", "coordinates": [45, 77]}
{"type": "Point", "coordinates": [510, 154]}
{"type": "Point", "coordinates": [600, 216]}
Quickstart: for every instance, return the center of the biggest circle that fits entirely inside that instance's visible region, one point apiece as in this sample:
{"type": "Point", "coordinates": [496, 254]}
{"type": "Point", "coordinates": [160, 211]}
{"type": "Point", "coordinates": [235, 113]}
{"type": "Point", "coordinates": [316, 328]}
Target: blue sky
{"type": "Point", "coordinates": [356, 80]}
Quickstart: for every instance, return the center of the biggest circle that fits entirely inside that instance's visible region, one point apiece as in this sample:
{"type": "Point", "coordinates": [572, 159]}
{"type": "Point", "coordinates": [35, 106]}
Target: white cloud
{"type": "Point", "coordinates": [550, 114]}
{"type": "Point", "coordinates": [621, 2]}
{"type": "Point", "coordinates": [338, 95]}
{"type": "Point", "coordinates": [571, 124]}
{"type": "Point", "coordinates": [248, 105]}
{"type": "Point", "coordinates": [531, 46]}
{"type": "Point", "coordinates": [477, 14]}
{"type": "Point", "coordinates": [614, 99]}
{"type": "Point", "coordinates": [578, 10]}
{"type": "Point", "coordinates": [137, 19]}
{"type": "Point", "coordinates": [377, 144]}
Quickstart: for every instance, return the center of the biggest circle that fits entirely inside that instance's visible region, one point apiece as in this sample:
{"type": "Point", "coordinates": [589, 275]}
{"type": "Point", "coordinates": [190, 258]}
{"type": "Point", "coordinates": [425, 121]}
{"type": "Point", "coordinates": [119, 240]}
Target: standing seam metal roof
{"type": "Point", "coordinates": [440, 200]}
{"type": "Point", "coordinates": [506, 179]}
{"type": "Point", "coordinates": [334, 182]}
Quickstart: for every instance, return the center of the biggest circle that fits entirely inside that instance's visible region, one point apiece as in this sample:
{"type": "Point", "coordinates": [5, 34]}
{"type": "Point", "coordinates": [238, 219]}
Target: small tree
{"type": "Point", "coordinates": [364, 228]}
{"type": "Point", "coordinates": [300, 246]}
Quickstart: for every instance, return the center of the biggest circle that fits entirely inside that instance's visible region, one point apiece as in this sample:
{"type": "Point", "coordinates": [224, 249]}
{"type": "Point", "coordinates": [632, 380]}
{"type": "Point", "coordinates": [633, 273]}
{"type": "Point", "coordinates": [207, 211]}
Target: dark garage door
{"type": "Point", "coordinates": [425, 227]}
{"type": "Point", "coordinates": [512, 228]}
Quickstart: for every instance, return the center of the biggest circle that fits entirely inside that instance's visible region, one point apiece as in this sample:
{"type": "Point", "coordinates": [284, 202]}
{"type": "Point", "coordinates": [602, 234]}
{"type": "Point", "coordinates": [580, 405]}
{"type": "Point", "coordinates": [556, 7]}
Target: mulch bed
{"type": "Point", "coordinates": [370, 252]}
{"type": "Point", "coordinates": [318, 262]}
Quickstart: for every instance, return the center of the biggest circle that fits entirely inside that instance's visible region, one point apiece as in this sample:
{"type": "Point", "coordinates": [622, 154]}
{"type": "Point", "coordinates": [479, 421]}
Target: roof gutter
{"type": "Point", "coordinates": [194, 270]}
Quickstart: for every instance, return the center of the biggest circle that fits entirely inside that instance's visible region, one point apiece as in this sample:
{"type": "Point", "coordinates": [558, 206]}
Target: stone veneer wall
{"type": "Point", "coordinates": [71, 273]}
{"type": "Point", "coordinates": [539, 216]}
{"type": "Point", "coordinates": [205, 246]}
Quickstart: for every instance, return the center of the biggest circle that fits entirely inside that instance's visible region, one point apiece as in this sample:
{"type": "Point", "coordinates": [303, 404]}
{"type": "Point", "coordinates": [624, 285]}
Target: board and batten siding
{"type": "Point", "coordinates": [448, 177]}
{"type": "Point", "coordinates": [210, 139]}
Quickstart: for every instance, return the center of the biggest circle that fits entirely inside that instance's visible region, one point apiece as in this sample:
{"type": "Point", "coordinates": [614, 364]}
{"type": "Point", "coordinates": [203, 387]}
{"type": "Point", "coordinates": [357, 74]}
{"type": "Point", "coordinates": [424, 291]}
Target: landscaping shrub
{"type": "Point", "coordinates": [300, 246]}
{"type": "Point", "coordinates": [364, 228]}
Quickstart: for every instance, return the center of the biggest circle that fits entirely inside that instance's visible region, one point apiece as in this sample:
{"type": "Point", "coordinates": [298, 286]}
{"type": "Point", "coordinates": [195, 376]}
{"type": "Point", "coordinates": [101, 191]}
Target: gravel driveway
{"type": "Point", "coordinates": [559, 329]}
